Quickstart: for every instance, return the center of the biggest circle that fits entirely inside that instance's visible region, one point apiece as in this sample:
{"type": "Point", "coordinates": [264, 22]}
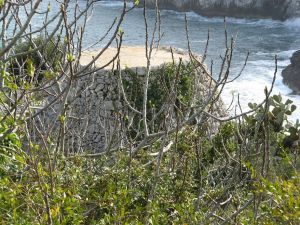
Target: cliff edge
{"type": "Point", "coordinates": [275, 9]}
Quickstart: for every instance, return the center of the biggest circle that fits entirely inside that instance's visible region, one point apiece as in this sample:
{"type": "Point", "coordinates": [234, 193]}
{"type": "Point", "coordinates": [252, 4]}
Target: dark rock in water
{"type": "Point", "coordinates": [295, 60]}
{"type": "Point", "coordinates": [291, 74]}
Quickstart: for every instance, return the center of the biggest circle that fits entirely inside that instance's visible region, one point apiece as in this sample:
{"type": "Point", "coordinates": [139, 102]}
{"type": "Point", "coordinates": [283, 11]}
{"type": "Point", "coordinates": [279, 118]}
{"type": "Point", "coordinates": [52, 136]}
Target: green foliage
{"type": "Point", "coordinates": [198, 173]}
{"type": "Point", "coordinates": [10, 148]}
{"type": "Point", "coordinates": [34, 66]}
{"type": "Point", "coordinates": [163, 84]}
{"type": "Point", "coordinates": [293, 134]}
{"type": "Point", "coordinates": [277, 112]}
{"type": "Point", "coordinates": [282, 200]}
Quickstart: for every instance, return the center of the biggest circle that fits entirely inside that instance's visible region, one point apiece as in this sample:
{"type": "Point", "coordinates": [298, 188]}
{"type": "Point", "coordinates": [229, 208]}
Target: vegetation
{"type": "Point", "coordinates": [179, 161]}
{"type": "Point", "coordinates": [33, 66]}
{"type": "Point", "coordinates": [198, 175]}
{"type": "Point", "coordinates": [163, 81]}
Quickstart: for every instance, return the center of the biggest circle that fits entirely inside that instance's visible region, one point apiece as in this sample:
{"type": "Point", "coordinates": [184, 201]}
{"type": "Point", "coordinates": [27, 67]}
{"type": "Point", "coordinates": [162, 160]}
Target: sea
{"type": "Point", "coordinates": [262, 38]}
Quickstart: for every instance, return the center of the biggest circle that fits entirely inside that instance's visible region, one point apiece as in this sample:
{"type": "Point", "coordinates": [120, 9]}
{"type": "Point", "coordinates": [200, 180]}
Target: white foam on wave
{"type": "Point", "coordinates": [250, 87]}
{"type": "Point", "coordinates": [263, 63]}
{"type": "Point", "coordinates": [283, 59]}
{"type": "Point", "coordinates": [266, 65]}
{"type": "Point", "coordinates": [255, 22]}
{"type": "Point", "coordinates": [264, 53]}
{"type": "Point", "coordinates": [290, 23]}
{"type": "Point", "coordinates": [112, 3]}
{"type": "Point", "coordinates": [294, 23]}
{"type": "Point", "coordinates": [287, 54]}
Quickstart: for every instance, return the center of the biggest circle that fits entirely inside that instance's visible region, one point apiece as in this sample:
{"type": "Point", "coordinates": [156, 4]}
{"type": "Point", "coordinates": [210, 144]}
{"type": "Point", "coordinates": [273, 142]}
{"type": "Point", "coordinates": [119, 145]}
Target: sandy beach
{"type": "Point", "coordinates": [134, 56]}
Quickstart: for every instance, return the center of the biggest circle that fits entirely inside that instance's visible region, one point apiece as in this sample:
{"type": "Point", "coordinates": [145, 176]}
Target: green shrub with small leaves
{"type": "Point", "coordinates": [280, 200]}
{"type": "Point", "coordinates": [36, 59]}
{"type": "Point", "coordinates": [162, 82]}
{"type": "Point", "coordinates": [10, 148]}
{"type": "Point", "coordinates": [202, 178]}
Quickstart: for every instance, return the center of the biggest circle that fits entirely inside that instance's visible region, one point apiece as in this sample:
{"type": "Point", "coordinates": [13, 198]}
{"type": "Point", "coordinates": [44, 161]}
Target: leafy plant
{"type": "Point", "coordinates": [36, 59]}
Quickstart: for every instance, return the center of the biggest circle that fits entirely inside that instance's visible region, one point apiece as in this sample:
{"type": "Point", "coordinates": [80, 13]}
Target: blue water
{"type": "Point", "coordinates": [262, 38]}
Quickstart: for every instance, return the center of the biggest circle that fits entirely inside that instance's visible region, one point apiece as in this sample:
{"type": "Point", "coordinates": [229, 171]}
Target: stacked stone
{"type": "Point", "coordinates": [93, 122]}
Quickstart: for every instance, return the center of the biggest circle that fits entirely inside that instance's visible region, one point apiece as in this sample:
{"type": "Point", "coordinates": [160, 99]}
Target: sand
{"type": "Point", "coordinates": [134, 56]}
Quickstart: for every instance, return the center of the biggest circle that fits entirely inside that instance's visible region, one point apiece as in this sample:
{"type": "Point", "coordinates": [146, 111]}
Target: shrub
{"type": "Point", "coordinates": [34, 67]}
{"type": "Point", "coordinates": [162, 82]}
{"type": "Point", "coordinates": [281, 203]}
{"type": "Point", "coordinates": [116, 188]}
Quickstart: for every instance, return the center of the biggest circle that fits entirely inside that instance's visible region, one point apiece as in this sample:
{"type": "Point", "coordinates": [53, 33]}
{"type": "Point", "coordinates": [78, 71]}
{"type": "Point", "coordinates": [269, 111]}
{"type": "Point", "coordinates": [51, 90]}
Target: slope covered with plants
{"type": "Point", "coordinates": [180, 159]}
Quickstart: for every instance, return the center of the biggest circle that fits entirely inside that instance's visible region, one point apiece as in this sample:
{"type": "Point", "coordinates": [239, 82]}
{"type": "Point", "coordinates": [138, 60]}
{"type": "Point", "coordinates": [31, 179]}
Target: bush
{"type": "Point", "coordinates": [10, 149]}
{"type": "Point", "coordinates": [162, 82]}
{"type": "Point", "coordinates": [281, 202]}
{"type": "Point", "coordinates": [33, 67]}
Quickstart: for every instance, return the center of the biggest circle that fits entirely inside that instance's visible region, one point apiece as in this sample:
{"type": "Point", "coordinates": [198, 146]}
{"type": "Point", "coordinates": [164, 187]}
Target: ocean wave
{"type": "Point", "coordinates": [263, 63]}
{"type": "Point", "coordinates": [115, 3]}
{"type": "Point", "coordinates": [266, 59]}
{"type": "Point", "coordinates": [255, 93]}
{"type": "Point", "coordinates": [192, 16]}
{"type": "Point", "coordinates": [232, 20]}
{"type": "Point", "coordinates": [294, 23]}
{"type": "Point", "coordinates": [286, 54]}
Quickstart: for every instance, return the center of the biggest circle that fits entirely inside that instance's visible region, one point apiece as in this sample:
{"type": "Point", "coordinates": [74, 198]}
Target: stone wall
{"type": "Point", "coordinates": [93, 120]}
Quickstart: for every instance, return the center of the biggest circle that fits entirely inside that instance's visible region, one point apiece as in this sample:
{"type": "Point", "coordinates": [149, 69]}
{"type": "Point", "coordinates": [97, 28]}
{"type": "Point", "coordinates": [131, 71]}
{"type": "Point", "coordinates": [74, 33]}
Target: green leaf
{"type": "Point", "coordinates": [277, 98]}
{"type": "Point", "coordinates": [49, 7]}
{"type": "Point", "coordinates": [62, 119]}
{"type": "Point", "coordinates": [30, 68]}
{"type": "Point", "coordinates": [49, 75]}
{"type": "Point", "coordinates": [70, 57]}
{"type": "Point", "coordinates": [288, 102]}
{"type": "Point", "coordinates": [120, 31]}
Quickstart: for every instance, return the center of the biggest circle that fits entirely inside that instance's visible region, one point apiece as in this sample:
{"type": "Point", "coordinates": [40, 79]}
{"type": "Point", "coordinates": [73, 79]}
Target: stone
{"type": "Point", "coordinates": [295, 60]}
{"type": "Point", "coordinates": [99, 88]}
{"type": "Point", "coordinates": [291, 74]}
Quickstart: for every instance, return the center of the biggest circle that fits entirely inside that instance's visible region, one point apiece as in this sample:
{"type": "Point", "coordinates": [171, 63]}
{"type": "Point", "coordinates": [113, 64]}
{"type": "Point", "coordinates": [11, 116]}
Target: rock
{"type": "Point", "coordinates": [279, 9]}
{"type": "Point", "coordinates": [291, 74]}
{"type": "Point", "coordinates": [295, 60]}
